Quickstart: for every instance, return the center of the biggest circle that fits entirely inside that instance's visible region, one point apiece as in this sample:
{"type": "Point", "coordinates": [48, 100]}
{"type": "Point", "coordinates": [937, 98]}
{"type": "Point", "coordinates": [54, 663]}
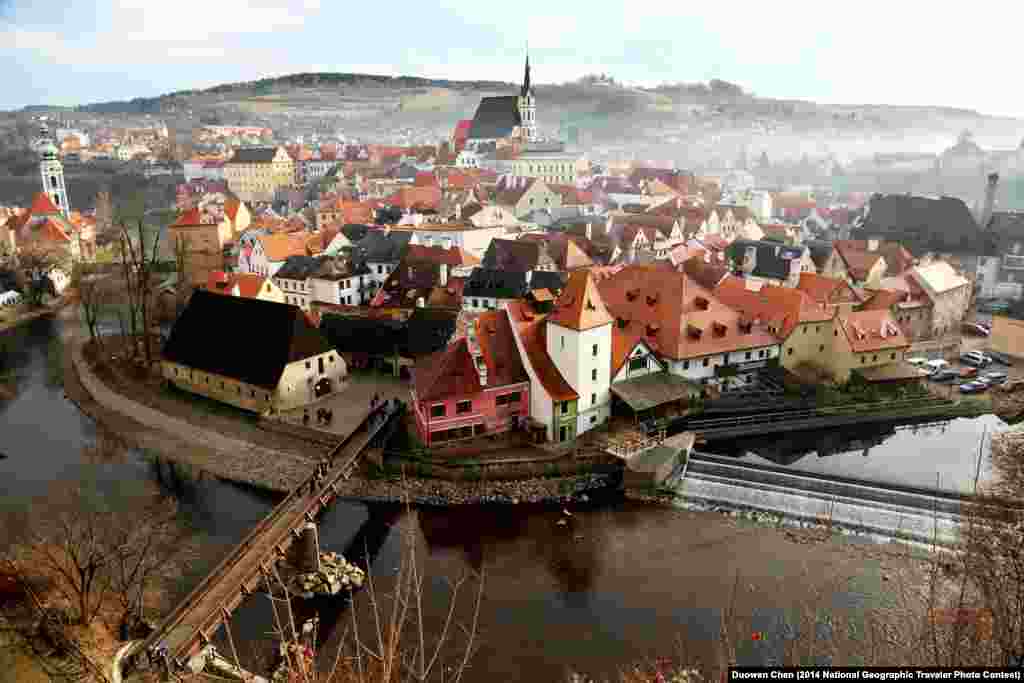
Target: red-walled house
{"type": "Point", "coordinates": [474, 387]}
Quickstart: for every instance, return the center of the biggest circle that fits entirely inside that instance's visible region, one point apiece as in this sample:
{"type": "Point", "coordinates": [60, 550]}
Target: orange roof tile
{"type": "Point", "coordinates": [580, 306]}
{"type": "Point", "coordinates": [872, 331]}
{"type": "Point", "coordinates": [676, 316]}
{"type": "Point", "coordinates": [280, 246]}
{"type": "Point", "coordinates": [532, 329]}
{"type": "Point", "coordinates": [859, 262]}
{"type": "Point", "coordinates": [826, 290]}
{"type": "Point", "coordinates": [783, 307]}
{"type": "Point", "coordinates": [448, 372]}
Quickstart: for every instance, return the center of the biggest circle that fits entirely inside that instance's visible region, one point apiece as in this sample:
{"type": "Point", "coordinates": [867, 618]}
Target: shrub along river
{"type": "Point", "coordinates": [621, 582]}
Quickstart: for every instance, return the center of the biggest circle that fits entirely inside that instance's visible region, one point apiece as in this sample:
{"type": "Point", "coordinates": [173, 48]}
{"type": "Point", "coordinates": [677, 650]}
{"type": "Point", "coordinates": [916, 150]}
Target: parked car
{"type": "Point", "coordinates": [995, 377]}
{"type": "Point", "coordinates": [917, 360]}
{"type": "Point", "coordinates": [975, 329]}
{"type": "Point", "coordinates": [994, 306]}
{"type": "Point", "coordinates": [968, 372]}
{"type": "Point", "coordinates": [946, 375]}
{"type": "Point", "coordinates": [973, 387]}
{"type": "Point", "coordinates": [975, 358]}
{"type": "Point", "coordinates": [934, 366]}
{"type": "Point", "coordinates": [1000, 358]}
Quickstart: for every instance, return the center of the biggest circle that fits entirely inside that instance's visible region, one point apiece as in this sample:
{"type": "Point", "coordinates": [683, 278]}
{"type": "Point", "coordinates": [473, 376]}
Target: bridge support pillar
{"type": "Point", "coordinates": [308, 549]}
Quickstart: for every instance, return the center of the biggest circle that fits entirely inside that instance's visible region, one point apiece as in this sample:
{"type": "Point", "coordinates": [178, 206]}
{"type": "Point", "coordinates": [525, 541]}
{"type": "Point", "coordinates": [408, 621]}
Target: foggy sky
{"type": "Point", "coordinates": [907, 52]}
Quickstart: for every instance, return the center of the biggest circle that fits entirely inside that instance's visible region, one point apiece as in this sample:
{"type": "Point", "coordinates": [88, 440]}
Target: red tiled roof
{"type": "Point", "coordinates": [453, 256]}
{"type": "Point", "coordinates": [826, 290]}
{"type": "Point", "coordinates": [532, 329]}
{"type": "Point", "coordinates": [859, 262]}
{"type": "Point", "coordinates": [499, 350]}
{"type": "Point", "coordinates": [897, 258]}
{"type": "Point", "coordinates": [677, 317]}
{"type": "Point", "coordinates": [280, 246]}
{"type": "Point", "coordinates": [449, 296]}
{"type": "Point", "coordinates": [42, 205]}
{"type": "Point", "coordinates": [446, 373]}
{"type": "Point", "coordinates": [872, 330]}
{"type": "Point", "coordinates": [580, 306]}
{"type": "Point", "coordinates": [418, 197]}
{"type": "Point", "coordinates": [424, 178]}
{"type": "Point", "coordinates": [783, 307]}
{"type": "Point", "coordinates": [883, 300]}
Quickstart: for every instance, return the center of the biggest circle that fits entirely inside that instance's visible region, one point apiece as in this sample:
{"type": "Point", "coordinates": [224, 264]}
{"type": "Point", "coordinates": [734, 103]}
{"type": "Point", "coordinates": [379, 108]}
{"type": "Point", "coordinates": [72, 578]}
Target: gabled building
{"type": "Point", "coordinates": [832, 292]}
{"type": "Point", "coordinates": [489, 289]}
{"type": "Point", "coordinates": [256, 173]}
{"type": "Point", "coordinates": [520, 196]}
{"type": "Point", "coordinates": [518, 256]}
{"type": "Point", "coordinates": [339, 280]}
{"type": "Point", "coordinates": [506, 118]}
{"type": "Point", "coordinates": [381, 251]}
{"type": "Point", "coordinates": [827, 260]}
{"type": "Point", "coordinates": [265, 254]}
{"type": "Point", "coordinates": [475, 387]}
{"type": "Point", "coordinates": [203, 237]}
{"type": "Point", "coordinates": [769, 262]}
{"type": "Point", "coordinates": [293, 280]}
{"type": "Point", "coordinates": [867, 340]}
{"type": "Point", "coordinates": [421, 271]}
{"type": "Point", "coordinates": [209, 352]}
{"type": "Point", "coordinates": [864, 267]}
{"type": "Point", "coordinates": [948, 294]}
{"type": "Point", "coordinates": [564, 250]}
{"type": "Point", "coordinates": [897, 259]}
{"type": "Point", "coordinates": [248, 285]}
{"type": "Point", "coordinates": [926, 223]}
{"type": "Point", "coordinates": [1000, 271]}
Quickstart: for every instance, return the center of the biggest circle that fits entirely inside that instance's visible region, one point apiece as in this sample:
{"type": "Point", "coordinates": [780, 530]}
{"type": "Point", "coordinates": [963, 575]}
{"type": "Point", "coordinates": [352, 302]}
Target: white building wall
{"type": "Point", "coordinates": [573, 355]}
{"type": "Point", "coordinates": [651, 367]}
{"type": "Point", "coordinates": [297, 384]}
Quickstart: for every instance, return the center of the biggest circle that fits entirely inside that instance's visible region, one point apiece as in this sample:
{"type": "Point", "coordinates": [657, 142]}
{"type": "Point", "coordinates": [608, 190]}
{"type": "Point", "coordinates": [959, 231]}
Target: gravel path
{"type": "Point", "coordinates": [179, 440]}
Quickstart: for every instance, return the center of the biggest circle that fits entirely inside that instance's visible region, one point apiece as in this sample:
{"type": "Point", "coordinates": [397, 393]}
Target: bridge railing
{"type": "Point", "coordinates": [238, 552]}
{"type": "Point", "coordinates": [816, 412]}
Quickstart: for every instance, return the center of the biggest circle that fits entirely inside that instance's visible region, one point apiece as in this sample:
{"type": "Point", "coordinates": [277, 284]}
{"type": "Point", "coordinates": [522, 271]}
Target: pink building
{"type": "Point", "coordinates": [475, 387]}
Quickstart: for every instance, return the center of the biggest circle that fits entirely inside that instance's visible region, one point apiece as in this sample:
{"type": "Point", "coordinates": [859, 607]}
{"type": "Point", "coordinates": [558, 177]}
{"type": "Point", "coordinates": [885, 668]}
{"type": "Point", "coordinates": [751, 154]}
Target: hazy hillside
{"type": "Point", "coordinates": [700, 123]}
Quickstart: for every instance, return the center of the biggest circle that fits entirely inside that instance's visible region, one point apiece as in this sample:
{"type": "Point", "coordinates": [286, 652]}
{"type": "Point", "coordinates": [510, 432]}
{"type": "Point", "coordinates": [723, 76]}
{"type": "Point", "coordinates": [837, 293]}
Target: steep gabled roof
{"type": "Point", "coordinates": [580, 306]}
{"type": "Point", "coordinates": [517, 255]}
{"type": "Point", "coordinates": [872, 330]}
{"type": "Point", "coordinates": [496, 117]}
{"type": "Point", "coordinates": [449, 372]}
{"type": "Point", "coordinates": [499, 350]}
{"type": "Point", "coordinates": [214, 334]}
{"type": "Point", "coordinates": [532, 328]}
{"type": "Point", "coordinates": [298, 268]}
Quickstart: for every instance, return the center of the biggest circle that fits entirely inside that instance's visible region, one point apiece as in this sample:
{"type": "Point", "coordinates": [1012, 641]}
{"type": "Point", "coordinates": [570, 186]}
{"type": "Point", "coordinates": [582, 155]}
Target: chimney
{"type": "Point", "coordinates": [873, 245]}
{"type": "Point", "coordinates": [529, 277]}
{"type": "Point", "coordinates": [458, 212]}
{"type": "Point", "coordinates": [444, 274]}
{"type": "Point", "coordinates": [990, 199]}
{"type": "Point", "coordinates": [590, 231]}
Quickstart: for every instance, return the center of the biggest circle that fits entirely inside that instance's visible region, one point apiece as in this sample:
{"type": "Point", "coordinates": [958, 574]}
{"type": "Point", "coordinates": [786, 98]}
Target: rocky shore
{"type": "Point", "coordinates": [444, 493]}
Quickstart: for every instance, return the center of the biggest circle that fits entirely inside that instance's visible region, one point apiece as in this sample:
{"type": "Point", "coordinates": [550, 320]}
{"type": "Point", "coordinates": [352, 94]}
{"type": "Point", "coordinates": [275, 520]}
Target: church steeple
{"type": "Point", "coordinates": [526, 77]}
{"type": "Point", "coordinates": [527, 105]}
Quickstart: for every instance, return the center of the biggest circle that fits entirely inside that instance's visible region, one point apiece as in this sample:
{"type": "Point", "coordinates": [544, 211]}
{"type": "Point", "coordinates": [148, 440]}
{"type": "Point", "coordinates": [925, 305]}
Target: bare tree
{"type": "Point", "coordinates": [181, 251]}
{"type": "Point", "coordinates": [138, 268]}
{"type": "Point", "coordinates": [97, 547]}
{"type": "Point", "coordinates": [36, 261]}
{"type": "Point", "coordinates": [90, 299]}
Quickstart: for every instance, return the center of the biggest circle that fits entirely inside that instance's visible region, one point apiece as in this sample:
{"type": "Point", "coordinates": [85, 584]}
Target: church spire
{"type": "Point", "coordinates": [526, 76]}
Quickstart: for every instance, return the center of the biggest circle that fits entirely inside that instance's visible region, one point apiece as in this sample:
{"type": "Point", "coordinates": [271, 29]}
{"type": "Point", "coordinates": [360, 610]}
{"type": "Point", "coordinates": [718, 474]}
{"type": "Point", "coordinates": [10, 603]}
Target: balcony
{"type": "Point", "coordinates": [1012, 262]}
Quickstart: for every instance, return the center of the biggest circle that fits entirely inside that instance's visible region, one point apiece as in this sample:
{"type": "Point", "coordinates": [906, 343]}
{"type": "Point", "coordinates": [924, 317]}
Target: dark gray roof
{"type": "Point", "coordinates": [215, 332]}
{"type": "Point", "coordinates": [1006, 225]}
{"type": "Point", "coordinates": [426, 331]}
{"type": "Point", "coordinates": [253, 155]}
{"type": "Point", "coordinates": [820, 251]}
{"type": "Point", "coordinates": [495, 284]}
{"type": "Point", "coordinates": [773, 259]}
{"type": "Point", "coordinates": [516, 255]}
{"type": "Point", "coordinates": [496, 117]}
{"type": "Point", "coordinates": [379, 246]}
{"type": "Point", "coordinates": [506, 284]}
{"type": "Point", "coordinates": [298, 268]}
{"type": "Point", "coordinates": [923, 222]}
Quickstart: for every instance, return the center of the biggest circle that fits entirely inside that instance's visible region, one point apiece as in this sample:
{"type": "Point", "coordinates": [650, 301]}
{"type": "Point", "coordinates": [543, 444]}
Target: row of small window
{"type": "Point", "coordinates": [463, 407]}
{"type": "Point", "coordinates": [238, 388]}
{"type": "Point", "coordinates": [294, 286]}
{"type": "Point", "coordinates": [295, 300]}
{"type": "Point", "coordinates": [459, 433]}
{"type": "Point", "coordinates": [874, 357]}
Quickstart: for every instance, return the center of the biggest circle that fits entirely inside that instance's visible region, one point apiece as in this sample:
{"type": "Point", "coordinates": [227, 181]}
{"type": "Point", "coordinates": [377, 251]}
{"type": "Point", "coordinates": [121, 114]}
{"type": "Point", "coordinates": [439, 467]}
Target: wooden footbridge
{"type": "Point", "coordinates": [191, 626]}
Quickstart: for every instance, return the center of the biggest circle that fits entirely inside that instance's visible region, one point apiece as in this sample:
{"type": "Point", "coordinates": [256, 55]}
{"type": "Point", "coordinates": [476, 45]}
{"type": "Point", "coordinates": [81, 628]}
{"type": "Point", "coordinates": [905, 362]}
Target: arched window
{"type": "Point", "coordinates": [53, 181]}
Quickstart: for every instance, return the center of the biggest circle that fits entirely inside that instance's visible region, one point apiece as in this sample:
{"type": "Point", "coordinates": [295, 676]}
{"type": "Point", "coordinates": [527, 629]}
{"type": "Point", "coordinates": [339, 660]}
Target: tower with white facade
{"type": "Point", "coordinates": [528, 105]}
{"type": "Point", "coordinates": [52, 172]}
{"type": "Point", "coordinates": [579, 342]}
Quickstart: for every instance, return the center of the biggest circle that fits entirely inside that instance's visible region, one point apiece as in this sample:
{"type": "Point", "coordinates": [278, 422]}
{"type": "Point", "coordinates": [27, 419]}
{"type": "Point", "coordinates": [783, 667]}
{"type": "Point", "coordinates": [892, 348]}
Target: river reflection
{"type": "Point", "coordinates": [922, 454]}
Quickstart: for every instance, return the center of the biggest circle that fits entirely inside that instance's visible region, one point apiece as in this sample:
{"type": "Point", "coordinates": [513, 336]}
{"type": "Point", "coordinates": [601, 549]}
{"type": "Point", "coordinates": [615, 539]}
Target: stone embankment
{"type": "Point", "coordinates": [180, 441]}
{"type": "Point", "coordinates": [276, 470]}
{"type": "Point", "coordinates": [439, 492]}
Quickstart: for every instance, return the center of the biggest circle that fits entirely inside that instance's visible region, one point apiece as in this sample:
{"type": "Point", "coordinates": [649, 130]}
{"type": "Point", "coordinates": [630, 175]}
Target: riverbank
{"type": "Point", "coordinates": [170, 438]}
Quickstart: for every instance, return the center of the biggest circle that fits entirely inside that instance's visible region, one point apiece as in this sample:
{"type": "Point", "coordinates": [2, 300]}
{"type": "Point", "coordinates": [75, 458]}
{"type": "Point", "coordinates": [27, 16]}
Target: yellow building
{"type": "Point", "coordinates": [552, 165]}
{"type": "Point", "coordinates": [256, 173]}
{"type": "Point", "coordinates": [204, 237]}
{"type": "Point", "coordinates": [208, 353]}
{"type": "Point", "coordinates": [866, 339]}
{"type": "Point", "coordinates": [1007, 335]}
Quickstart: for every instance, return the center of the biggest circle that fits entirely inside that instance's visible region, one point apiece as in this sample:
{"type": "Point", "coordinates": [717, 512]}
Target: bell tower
{"type": "Point", "coordinates": [528, 105]}
{"type": "Point", "coordinates": [52, 172]}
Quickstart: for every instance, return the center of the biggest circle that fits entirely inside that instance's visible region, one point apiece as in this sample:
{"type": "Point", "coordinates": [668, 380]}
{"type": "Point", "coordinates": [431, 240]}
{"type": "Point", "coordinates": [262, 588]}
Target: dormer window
{"type": "Point", "coordinates": [631, 295]}
{"type": "Point", "coordinates": [693, 332]}
{"type": "Point", "coordinates": [718, 329]}
{"type": "Point", "coordinates": [701, 303]}
{"type": "Point", "coordinates": [652, 329]}
{"type": "Point", "coordinates": [652, 299]}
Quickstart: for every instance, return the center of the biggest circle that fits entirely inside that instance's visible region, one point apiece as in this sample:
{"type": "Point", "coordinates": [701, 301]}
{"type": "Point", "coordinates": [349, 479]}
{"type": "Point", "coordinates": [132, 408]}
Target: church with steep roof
{"type": "Point", "coordinates": [506, 117]}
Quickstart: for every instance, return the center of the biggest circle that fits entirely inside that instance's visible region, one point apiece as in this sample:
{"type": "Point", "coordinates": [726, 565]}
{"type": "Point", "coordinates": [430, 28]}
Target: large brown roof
{"type": "Point", "coordinates": [783, 307]}
{"type": "Point", "coordinates": [897, 258]}
{"type": "Point", "coordinates": [676, 316]}
{"type": "Point", "coordinates": [280, 246]}
{"type": "Point", "coordinates": [499, 350]}
{"type": "Point", "coordinates": [449, 372]}
{"type": "Point", "coordinates": [826, 290]}
{"type": "Point", "coordinates": [580, 306]}
{"type": "Point", "coordinates": [859, 262]}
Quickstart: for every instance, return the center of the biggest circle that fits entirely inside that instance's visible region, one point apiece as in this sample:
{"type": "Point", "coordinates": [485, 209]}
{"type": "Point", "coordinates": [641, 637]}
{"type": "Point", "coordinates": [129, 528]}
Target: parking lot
{"type": "Point", "coordinates": [951, 354]}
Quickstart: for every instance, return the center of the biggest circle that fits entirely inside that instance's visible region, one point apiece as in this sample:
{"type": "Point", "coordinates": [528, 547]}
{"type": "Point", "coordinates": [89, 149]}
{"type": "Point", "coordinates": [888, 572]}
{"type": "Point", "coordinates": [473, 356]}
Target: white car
{"type": "Point", "coordinates": [917, 361]}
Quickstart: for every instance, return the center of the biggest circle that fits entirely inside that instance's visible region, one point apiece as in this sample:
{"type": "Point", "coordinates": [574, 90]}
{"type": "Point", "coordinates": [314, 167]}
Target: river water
{"type": "Point", "coordinates": [622, 582]}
